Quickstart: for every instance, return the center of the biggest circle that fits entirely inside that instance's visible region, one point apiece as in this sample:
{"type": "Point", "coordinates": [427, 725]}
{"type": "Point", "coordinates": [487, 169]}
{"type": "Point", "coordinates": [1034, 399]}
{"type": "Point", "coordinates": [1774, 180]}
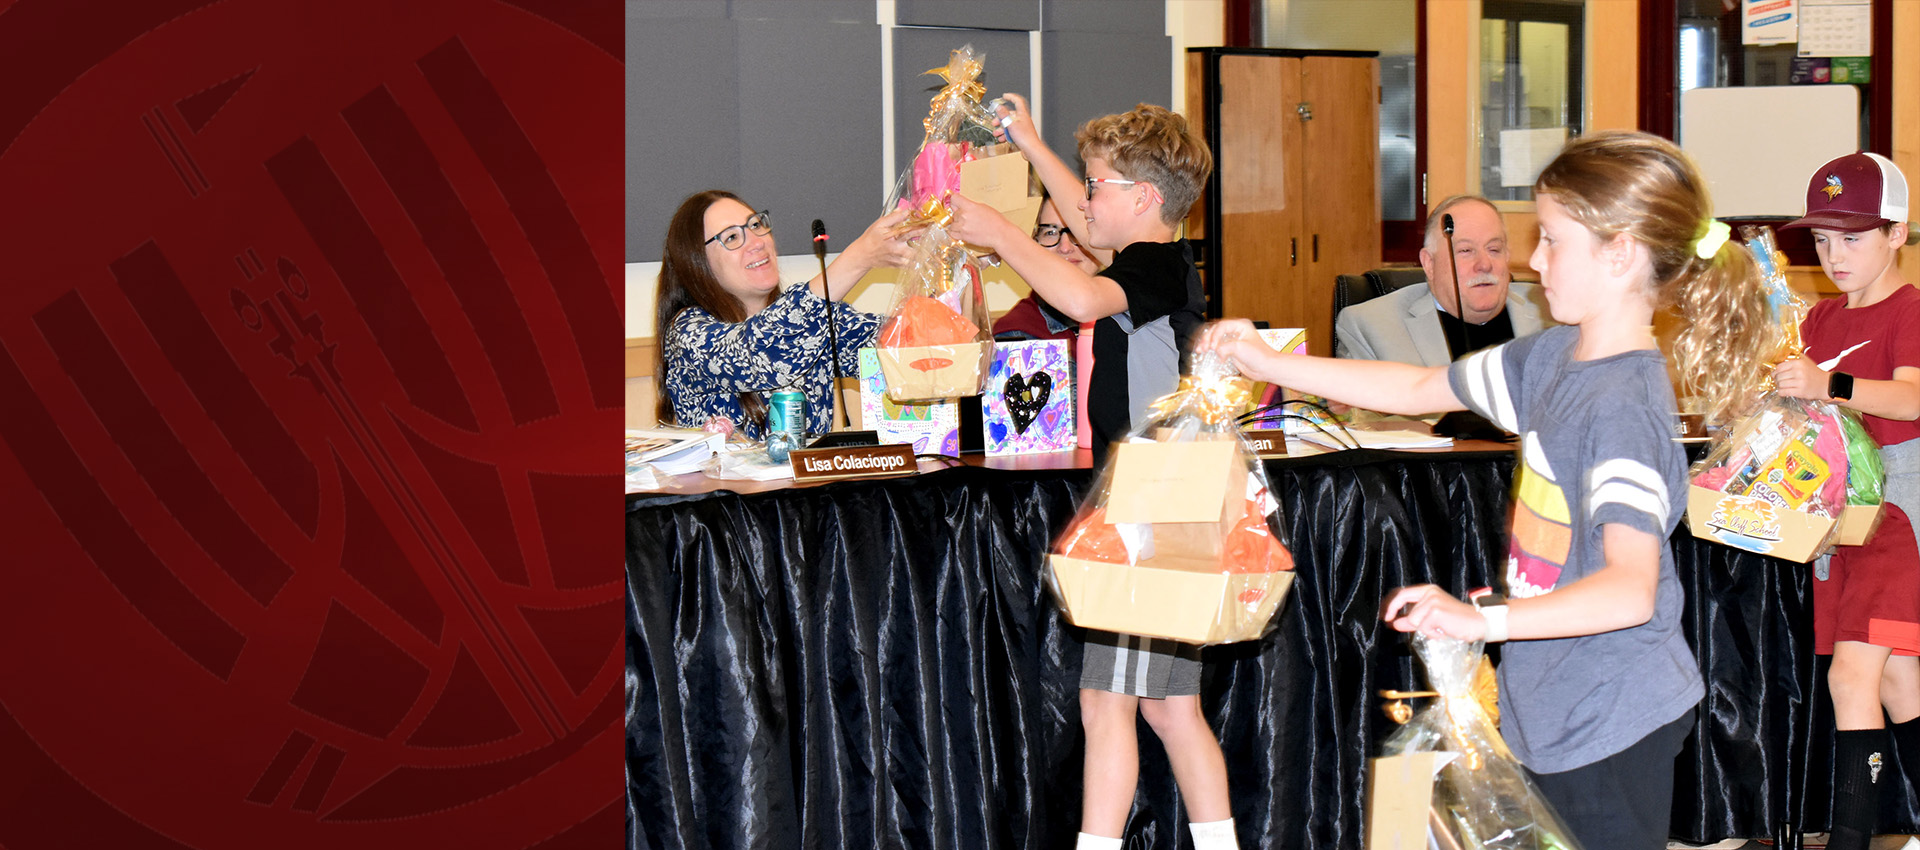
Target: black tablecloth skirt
{"type": "Point", "coordinates": [878, 664]}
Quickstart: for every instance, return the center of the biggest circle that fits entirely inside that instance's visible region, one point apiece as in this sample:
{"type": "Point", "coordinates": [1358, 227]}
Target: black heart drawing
{"type": "Point", "coordinates": [1025, 397]}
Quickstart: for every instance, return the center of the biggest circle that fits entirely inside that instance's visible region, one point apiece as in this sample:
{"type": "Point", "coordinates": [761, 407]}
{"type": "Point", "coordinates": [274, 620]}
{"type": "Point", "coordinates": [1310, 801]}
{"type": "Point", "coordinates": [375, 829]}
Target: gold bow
{"type": "Point", "coordinates": [1220, 398]}
{"type": "Point", "coordinates": [932, 212]}
{"type": "Point", "coordinates": [961, 93]}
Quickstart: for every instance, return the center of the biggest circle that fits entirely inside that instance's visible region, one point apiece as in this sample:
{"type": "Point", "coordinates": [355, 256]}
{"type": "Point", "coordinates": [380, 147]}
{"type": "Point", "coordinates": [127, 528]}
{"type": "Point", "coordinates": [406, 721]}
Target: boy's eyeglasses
{"type": "Point", "coordinates": [1048, 235]}
{"type": "Point", "coordinates": [1093, 180]}
{"type": "Point", "coordinates": [761, 223]}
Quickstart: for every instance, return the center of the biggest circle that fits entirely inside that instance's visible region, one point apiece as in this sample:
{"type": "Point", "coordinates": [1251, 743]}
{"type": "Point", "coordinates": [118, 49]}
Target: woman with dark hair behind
{"type": "Point", "coordinates": [729, 336]}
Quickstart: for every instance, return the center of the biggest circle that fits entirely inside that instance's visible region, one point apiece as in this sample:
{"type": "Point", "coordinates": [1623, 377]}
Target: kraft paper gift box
{"type": "Point", "coordinates": [1028, 405]}
{"type": "Point", "coordinates": [934, 371]}
{"type": "Point", "coordinates": [1857, 524]}
{"type": "Point", "coordinates": [1192, 494]}
{"type": "Point", "coordinates": [931, 427]}
{"type": "Point", "coordinates": [1757, 525]}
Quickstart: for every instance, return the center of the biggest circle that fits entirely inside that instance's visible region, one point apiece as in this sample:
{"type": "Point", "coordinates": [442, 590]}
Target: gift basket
{"type": "Point", "coordinates": [1179, 538]}
{"type": "Point", "coordinates": [1779, 479]}
{"type": "Point", "coordinates": [1480, 795]}
{"type": "Point", "coordinates": [937, 340]}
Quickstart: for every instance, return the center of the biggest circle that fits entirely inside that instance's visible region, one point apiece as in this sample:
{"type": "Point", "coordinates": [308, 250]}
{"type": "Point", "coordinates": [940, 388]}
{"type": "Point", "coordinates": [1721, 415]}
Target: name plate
{"type": "Point", "coordinates": [852, 461]}
{"type": "Point", "coordinates": [1268, 442]}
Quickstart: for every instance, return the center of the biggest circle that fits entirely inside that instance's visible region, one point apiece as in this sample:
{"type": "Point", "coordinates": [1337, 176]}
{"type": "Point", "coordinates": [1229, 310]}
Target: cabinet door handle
{"type": "Point", "coordinates": [1293, 250]}
{"type": "Point", "coordinates": [1316, 247]}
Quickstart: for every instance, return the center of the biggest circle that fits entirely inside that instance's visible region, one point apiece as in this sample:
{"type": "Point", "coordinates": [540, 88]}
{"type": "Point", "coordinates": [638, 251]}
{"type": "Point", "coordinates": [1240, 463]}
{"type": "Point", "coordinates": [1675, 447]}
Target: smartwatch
{"type": "Point", "coordinates": [1839, 386]}
{"type": "Point", "coordinates": [1493, 607]}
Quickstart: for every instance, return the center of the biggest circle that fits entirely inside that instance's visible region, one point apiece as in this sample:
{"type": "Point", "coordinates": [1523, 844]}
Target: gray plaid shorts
{"type": "Point", "coordinates": [1156, 668]}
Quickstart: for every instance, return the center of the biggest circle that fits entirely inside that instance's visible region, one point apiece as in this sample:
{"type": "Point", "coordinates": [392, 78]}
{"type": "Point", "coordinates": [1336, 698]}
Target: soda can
{"type": "Point", "coordinates": [788, 413]}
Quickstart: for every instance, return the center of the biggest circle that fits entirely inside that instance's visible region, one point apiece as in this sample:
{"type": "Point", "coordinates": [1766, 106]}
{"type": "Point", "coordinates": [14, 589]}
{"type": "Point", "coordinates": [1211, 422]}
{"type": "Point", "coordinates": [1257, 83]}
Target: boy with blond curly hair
{"type": "Point", "coordinates": [1144, 169]}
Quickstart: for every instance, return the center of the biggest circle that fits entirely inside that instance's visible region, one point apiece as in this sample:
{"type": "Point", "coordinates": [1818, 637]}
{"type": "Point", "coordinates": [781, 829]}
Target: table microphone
{"type": "Point", "coordinates": [833, 331]}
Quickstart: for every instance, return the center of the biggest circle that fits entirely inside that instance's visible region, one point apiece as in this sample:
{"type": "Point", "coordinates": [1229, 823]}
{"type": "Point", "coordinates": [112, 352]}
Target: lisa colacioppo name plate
{"type": "Point", "coordinates": [852, 461]}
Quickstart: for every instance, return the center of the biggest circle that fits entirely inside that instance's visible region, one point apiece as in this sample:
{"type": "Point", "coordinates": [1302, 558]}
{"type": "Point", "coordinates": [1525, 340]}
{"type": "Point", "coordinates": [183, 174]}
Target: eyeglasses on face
{"type": "Point", "coordinates": [1048, 235]}
{"type": "Point", "coordinates": [731, 238]}
{"type": "Point", "coordinates": [1093, 180]}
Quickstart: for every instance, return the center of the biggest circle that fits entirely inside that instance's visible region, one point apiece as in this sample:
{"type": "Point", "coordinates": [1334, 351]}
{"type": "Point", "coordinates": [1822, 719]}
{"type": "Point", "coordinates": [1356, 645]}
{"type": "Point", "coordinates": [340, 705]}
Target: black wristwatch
{"type": "Point", "coordinates": [1839, 386]}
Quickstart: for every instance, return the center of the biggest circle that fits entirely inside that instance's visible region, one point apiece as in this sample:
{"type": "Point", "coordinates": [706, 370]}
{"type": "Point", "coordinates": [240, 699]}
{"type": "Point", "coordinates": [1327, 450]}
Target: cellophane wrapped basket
{"type": "Point", "coordinates": [1778, 479]}
{"type": "Point", "coordinates": [1180, 537]}
{"type": "Point", "coordinates": [1482, 798]}
{"type": "Point", "coordinates": [937, 340]}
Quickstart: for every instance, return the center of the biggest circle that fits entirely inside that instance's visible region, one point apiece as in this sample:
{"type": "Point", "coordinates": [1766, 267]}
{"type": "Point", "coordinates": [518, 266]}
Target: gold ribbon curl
{"type": "Point", "coordinates": [1219, 399]}
{"type": "Point", "coordinates": [961, 93]}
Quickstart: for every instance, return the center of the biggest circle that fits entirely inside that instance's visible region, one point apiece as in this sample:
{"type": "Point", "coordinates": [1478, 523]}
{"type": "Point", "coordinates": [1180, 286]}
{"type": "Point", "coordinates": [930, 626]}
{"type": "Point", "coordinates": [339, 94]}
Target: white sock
{"type": "Point", "coordinates": [1094, 842]}
{"type": "Point", "coordinates": [1214, 835]}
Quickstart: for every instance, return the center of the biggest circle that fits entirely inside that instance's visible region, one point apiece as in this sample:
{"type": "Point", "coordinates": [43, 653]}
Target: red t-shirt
{"type": "Point", "coordinates": [1869, 342]}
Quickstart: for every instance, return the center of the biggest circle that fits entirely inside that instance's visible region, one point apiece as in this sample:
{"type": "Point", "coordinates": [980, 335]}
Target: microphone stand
{"type": "Point", "coordinates": [833, 332]}
{"type": "Point", "coordinates": [1462, 424]}
{"type": "Point", "coordinates": [1453, 265]}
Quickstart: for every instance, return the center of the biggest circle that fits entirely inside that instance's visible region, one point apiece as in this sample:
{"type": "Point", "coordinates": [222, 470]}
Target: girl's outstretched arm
{"type": "Point", "coordinates": [1379, 385]}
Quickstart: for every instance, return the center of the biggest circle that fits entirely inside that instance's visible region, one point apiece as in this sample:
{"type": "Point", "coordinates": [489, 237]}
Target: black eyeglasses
{"type": "Point", "coordinates": [1048, 235]}
{"type": "Point", "coordinates": [761, 223]}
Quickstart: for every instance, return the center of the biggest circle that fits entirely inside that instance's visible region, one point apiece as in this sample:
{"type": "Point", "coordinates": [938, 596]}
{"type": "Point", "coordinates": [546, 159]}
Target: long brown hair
{"type": "Point", "coordinates": [1618, 181]}
{"type": "Point", "coordinates": [687, 281]}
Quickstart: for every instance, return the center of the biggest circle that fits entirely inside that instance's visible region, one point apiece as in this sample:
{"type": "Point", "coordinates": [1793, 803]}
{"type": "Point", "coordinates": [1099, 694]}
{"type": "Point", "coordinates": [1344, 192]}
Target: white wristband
{"type": "Point", "coordinates": [1496, 617]}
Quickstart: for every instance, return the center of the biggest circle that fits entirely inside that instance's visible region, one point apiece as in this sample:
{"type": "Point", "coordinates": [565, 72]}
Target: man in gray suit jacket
{"type": "Point", "coordinates": [1407, 325]}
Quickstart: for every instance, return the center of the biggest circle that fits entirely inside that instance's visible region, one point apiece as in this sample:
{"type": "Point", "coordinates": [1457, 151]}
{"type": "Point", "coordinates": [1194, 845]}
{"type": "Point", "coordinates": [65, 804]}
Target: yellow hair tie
{"type": "Point", "coordinates": [1709, 243]}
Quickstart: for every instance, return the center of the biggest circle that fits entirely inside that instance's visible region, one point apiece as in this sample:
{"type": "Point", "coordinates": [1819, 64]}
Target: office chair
{"type": "Point", "coordinates": [1351, 289]}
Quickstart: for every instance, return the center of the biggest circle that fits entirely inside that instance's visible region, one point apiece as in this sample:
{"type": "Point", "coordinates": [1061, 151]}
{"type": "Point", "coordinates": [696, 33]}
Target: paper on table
{"type": "Point", "coordinates": [673, 451]}
{"type": "Point", "coordinates": [1390, 439]}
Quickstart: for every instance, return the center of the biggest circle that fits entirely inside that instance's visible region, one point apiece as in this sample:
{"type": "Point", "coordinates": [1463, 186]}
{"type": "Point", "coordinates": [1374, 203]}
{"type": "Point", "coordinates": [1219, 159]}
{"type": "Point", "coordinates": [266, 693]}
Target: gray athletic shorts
{"type": "Point", "coordinates": [1140, 666]}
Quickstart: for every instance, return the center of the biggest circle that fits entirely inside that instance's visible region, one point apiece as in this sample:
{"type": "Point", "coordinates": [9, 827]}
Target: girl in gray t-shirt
{"type": "Point", "coordinates": [1597, 686]}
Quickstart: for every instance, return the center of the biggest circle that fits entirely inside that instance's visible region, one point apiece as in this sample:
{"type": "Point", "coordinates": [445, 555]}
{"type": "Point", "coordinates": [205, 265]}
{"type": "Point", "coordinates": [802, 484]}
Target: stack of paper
{"type": "Point", "coordinates": [672, 451]}
{"type": "Point", "coordinates": [1385, 439]}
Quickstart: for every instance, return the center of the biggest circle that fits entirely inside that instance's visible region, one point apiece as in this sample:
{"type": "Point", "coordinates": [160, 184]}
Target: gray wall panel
{"type": "Point", "coordinates": [715, 9]}
{"type": "Point", "coordinates": [1139, 17]}
{"type": "Point", "coordinates": [810, 124]}
{"type": "Point", "coordinates": [683, 121]}
{"type": "Point", "coordinates": [1088, 75]}
{"type": "Point", "coordinates": [969, 14]}
{"type": "Point", "coordinates": [916, 50]}
{"type": "Point", "coordinates": [819, 11]}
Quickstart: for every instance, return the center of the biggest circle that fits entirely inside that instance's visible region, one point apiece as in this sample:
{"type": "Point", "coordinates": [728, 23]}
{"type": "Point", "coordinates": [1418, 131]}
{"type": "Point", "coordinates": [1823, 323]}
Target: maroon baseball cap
{"type": "Point", "coordinates": [1859, 191]}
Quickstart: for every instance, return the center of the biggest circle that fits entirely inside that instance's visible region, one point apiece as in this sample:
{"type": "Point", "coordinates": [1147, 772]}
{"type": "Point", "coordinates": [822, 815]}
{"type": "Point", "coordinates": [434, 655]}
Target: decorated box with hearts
{"type": "Point", "coordinates": [931, 427]}
{"type": "Point", "coordinates": [1027, 406]}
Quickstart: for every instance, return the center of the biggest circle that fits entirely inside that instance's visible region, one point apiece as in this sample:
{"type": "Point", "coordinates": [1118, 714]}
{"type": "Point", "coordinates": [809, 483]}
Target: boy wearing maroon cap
{"type": "Point", "coordinates": [1863, 352]}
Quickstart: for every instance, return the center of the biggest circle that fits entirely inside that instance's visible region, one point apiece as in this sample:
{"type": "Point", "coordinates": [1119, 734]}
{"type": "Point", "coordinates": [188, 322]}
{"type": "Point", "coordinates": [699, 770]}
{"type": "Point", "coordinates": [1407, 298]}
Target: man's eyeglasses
{"type": "Point", "coordinates": [1093, 180]}
{"type": "Point", "coordinates": [1048, 235]}
{"type": "Point", "coordinates": [761, 223]}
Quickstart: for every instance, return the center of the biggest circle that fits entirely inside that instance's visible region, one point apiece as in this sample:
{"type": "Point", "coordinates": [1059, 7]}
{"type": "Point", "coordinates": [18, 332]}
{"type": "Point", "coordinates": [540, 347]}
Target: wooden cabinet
{"type": "Point", "coordinates": [1295, 195]}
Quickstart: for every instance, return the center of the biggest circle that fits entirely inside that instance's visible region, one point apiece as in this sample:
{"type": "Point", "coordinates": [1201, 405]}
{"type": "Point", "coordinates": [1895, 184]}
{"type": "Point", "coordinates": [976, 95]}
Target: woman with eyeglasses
{"type": "Point", "coordinates": [729, 336]}
{"type": "Point", "coordinates": [1032, 317]}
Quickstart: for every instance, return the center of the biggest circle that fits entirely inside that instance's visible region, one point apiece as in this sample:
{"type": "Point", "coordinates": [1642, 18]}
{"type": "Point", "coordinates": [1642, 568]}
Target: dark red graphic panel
{"type": "Point", "coordinates": [309, 342]}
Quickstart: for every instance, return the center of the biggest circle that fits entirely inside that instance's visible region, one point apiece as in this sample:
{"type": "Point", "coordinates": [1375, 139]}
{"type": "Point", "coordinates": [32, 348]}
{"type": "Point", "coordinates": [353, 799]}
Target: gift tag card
{"type": "Point", "coordinates": [997, 181]}
{"type": "Point", "coordinates": [1399, 797]}
{"type": "Point", "coordinates": [1170, 482]}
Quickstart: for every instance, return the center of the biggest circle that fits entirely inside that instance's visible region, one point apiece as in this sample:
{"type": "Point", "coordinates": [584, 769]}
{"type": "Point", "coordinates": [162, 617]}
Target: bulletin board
{"type": "Point", "coordinates": [1758, 145]}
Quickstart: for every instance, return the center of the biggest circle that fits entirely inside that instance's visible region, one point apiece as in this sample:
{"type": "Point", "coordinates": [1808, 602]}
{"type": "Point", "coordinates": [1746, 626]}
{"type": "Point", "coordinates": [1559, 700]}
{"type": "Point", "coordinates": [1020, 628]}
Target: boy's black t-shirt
{"type": "Point", "coordinates": [1137, 353]}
